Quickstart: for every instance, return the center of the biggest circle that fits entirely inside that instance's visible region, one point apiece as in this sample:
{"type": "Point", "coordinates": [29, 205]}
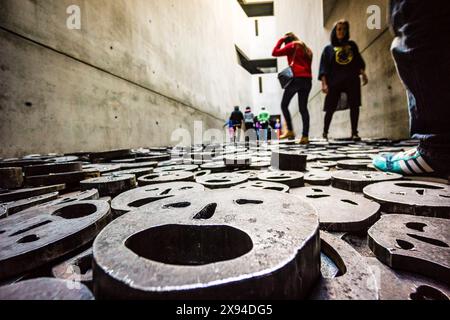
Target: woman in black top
{"type": "Point", "coordinates": [340, 69]}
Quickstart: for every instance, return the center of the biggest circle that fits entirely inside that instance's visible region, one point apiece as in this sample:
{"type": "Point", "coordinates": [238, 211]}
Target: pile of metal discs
{"type": "Point", "coordinates": [223, 221]}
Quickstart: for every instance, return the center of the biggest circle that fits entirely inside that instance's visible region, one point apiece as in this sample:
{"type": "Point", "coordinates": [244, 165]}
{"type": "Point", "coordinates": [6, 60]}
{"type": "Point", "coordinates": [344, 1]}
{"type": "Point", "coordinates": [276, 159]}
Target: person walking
{"type": "Point", "coordinates": [237, 120]}
{"type": "Point", "coordinates": [300, 59]}
{"type": "Point", "coordinates": [263, 119]}
{"type": "Point", "coordinates": [341, 67]}
{"type": "Point", "coordinates": [249, 119]}
{"type": "Point", "coordinates": [278, 129]}
{"type": "Point", "coordinates": [423, 63]}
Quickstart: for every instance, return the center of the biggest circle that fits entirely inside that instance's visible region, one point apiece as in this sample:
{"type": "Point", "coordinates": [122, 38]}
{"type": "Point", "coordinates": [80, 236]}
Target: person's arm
{"type": "Point", "coordinates": [361, 64]}
{"type": "Point", "coordinates": [324, 71]}
{"type": "Point", "coordinates": [278, 51]}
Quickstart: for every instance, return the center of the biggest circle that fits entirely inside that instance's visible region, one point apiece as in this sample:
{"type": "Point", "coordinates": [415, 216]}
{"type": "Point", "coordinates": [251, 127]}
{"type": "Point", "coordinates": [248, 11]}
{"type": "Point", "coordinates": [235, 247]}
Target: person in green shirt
{"type": "Point", "coordinates": [263, 119]}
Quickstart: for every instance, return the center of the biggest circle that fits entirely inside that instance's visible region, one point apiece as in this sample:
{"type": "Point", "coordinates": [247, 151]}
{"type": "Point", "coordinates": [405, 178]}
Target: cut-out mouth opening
{"type": "Point", "coordinates": [335, 258]}
{"type": "Point", "coordinates": [188, 245]}
{"type": "Point", "coordinates": [218, 181]}
{"type": "Point", "coordinates": [245, 201]}
{"type": "Point", "coordinates": [318, 196]}
{"type": "Point", "coordinates": [76, 211]}
{"type": "Point", "coordinates": [142, 202]}
{"type": "Point", "coordinates": [428, 293]}
{"type": "Point", "coordinates": [434, 242]}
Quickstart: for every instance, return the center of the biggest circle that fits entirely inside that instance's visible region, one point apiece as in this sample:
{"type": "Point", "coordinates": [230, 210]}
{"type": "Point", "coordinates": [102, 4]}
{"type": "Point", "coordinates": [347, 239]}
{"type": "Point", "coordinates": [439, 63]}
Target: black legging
{"type": "Point", "coordinates": [302, 86]}
{"type": "Point", "coordinates": [354, 116]}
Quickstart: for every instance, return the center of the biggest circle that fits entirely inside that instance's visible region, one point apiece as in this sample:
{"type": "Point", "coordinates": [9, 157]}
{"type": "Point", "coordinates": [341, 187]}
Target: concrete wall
{"type": "Point", "coordinates": [384, 112]}
{"type": "Point", "coordinates": [136, 71]}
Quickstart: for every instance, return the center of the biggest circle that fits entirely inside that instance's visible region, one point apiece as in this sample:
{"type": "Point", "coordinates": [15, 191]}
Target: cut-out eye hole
{"type": "Point", "coordinates": [417, 186]}
{"type": "Point", "coordinates": [431, 241]}
{"type": "Point", "coordinates": [165, 192]}
{"type": "Point", "coordinates": [405, 245]}
{"type": "Point", "coordinates": [420, 192]}
{"type": "Point", "coordinates": [369, 176]}
{"type": "Point", "coordinates": [186, 188]}
{"type": "Point", "coordinates": [207, 212]}
{"type": "Point", "coordinates": [318, 196]}
{"type": "Point", "coordinates": [447, 197]}
{"type": "Point", "coordinates": [416, 226]}
{"type": "Point", "coordinates": [28, 239]}
{"type": "Point", "coordinates": [317, 190]}
{"type": "Point", "coordinates": [274, 189]}
{"type": "Point", "coordinates": [217, 181]}
{"type": "Point", "coordinates": [177, 205]}
{"type": "Point", "coordinates": [245, 201]}
{"type": "Point", "coordinates": [350, 202]}
{"type": "Point", "coordinates": [151, 190]}
{"type": "Point", "coordinates": [428, 293]}
{"type": "Point", "coordinates": [38, 225]}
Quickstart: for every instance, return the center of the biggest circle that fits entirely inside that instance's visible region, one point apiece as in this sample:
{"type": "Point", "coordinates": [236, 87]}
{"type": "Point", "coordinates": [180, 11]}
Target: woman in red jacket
{"type": "Point", "coordinates": [300, 59]}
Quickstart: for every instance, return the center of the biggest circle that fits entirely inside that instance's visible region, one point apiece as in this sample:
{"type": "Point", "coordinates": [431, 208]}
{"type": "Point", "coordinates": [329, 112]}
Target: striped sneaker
{"type": "Point", "coordinates": [406, 163]}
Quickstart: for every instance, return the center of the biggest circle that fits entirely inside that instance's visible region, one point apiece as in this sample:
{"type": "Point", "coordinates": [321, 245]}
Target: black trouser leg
{"type": "Point", "coordinates": [303, 97]}
{"type": "Point", "coordinates": [328, 118]}
{"type": "Point", "coordinates": [287, 97]}
{"type": "Point", "coordinates": [354, 116]}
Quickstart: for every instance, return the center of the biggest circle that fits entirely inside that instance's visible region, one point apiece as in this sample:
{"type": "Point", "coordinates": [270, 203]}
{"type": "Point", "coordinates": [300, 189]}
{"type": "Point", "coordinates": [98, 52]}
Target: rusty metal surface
{"type": "Point", "coordinates": [237, 161]}
{"type": "Point", "coordinates": [20, 163]}
{"type": "Point", "coordinates": [359, 242]}
{"type": "Point", "coordinates": [356, 181]}
{"type": "Point", "coordinates": [136, 172]}
{"type": "Point", "coordinates": [133, 199]}
{"type": "Point", "coordinates": [29, 192]}
{"type": "Point", "coordinates": [262, 185]}
{"type": "Point", "coordinates": [222, 180]}
{"type": "Point", "coordinates": [70, 179]}
{"type": "Point", "coordinates": [340, 211]}
{"type": "Point", "coordinates": [31, 240]}
{"type": "Point", "coordinates": [222, 245]}
{"type": "Point", "coordinates": [354, 164]}
{"type": "Point", "coordinates": [138, 165]}
{"type": "Point", "coordinates": [289, 160]}
{"type": "Point", "coordinates": [191, 168]}
{"type": "Point", "coordinates": [412, 197]}
{"type": "Point", "coordinates": [20, 205]}
{"type": "Point", "coordinates": [415, 244]}
{"type": "Point", "coordinates": [11, 178]}
{"type": "Point", "coordinates": [398, 285]}
{"type": "Point", "coordinates": [112, 185]}
{"type": "Point", "coordinates": [3, 211]}
{"type": "Point", "coordinates": [165, 177]}
{"type": "Point", "coordinates": [293, 179]}
{"type": "Point", "coordinates": [70, 198]}
{"type": "Point", "coordinates": [214, 166]}
{"type": "Point", "coordinates": [103, 167]}
{"type": "Point", "coordinates": [318, 178]}
{"type": "Point", "coordinates": [78, 268]}
{"type": "Point", "coordinates": [356, 280]}
{"type": "Point", "coordinates": [43, 289]}
{"type": "Point", "coordinates": [44, 169]}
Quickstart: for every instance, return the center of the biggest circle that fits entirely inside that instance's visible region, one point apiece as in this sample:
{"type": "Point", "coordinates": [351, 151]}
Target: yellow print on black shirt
{"type": "Point", "coordinates": [344, 55]}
